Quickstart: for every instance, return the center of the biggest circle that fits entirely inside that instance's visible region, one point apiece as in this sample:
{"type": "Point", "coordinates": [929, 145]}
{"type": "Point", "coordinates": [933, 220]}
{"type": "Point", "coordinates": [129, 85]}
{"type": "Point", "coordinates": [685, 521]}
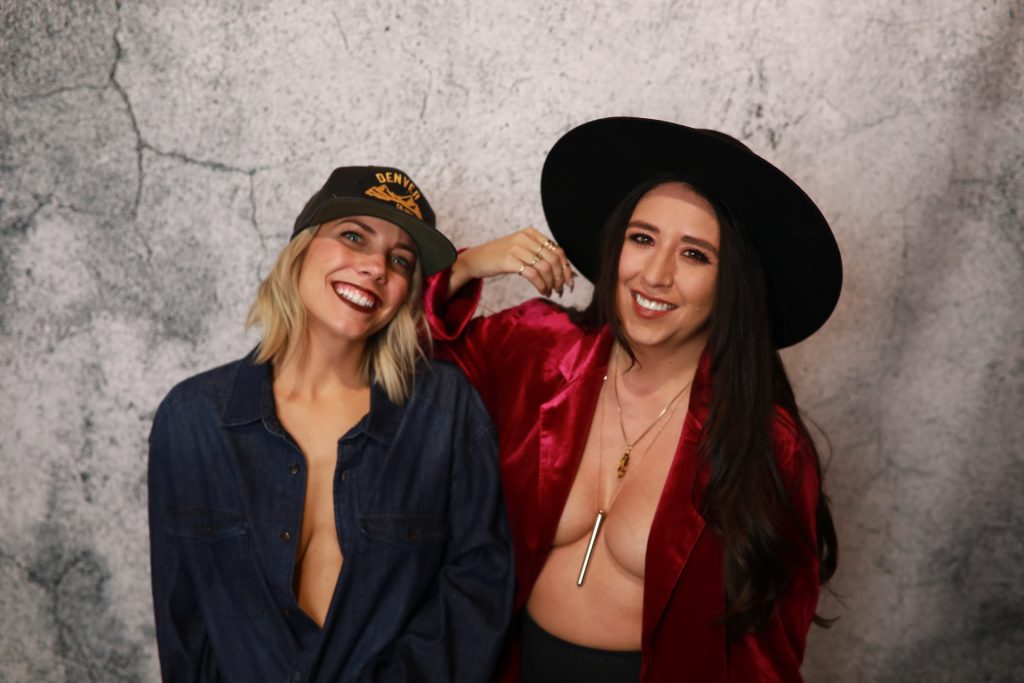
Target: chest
{"type": "Point", "coordinates": [630, 501]}
{"type": "Point", "coordinates": [317, 429]}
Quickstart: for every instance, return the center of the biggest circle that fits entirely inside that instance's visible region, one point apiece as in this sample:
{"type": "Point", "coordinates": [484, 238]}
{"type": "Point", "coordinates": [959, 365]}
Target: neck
{"type": "Point", "coordinates": [323, 370]}
{"type": "Point", "coordinates": [657, 370]}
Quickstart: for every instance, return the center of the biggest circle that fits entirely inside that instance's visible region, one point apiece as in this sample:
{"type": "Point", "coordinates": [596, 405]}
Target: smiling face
{"type": "Point", "coordinates": [667, 270]}
{"type": "Point", "coordinates": [355, 276]}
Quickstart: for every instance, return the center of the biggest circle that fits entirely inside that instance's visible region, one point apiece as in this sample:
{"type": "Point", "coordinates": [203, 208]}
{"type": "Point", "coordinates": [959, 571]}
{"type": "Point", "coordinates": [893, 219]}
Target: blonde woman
{"type": "Point", "coordinates": [328, 507]}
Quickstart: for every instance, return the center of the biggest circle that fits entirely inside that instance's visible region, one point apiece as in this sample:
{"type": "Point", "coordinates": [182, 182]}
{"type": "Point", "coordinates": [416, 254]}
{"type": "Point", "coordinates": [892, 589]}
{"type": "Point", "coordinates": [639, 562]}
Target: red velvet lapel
{"type": "Point", "coordinates": [677, 525]}
{"type": "Point", "coordinates": [564, 426]}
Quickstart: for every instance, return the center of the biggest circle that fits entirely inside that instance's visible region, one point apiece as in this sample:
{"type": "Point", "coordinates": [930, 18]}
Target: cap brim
{"type": "Point", "coordinates": [435, 251]}
{"type": "Point", "coordinates": [594, 166]}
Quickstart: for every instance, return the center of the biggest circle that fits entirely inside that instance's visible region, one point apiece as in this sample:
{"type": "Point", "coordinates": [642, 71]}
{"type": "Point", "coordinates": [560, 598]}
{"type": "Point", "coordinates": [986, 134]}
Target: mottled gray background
{"type": "Point", "coordinates": [153, 155]}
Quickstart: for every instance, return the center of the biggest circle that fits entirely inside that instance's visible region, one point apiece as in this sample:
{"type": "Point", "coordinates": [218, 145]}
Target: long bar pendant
{"type": "Point", "coordinates": [598, 521]}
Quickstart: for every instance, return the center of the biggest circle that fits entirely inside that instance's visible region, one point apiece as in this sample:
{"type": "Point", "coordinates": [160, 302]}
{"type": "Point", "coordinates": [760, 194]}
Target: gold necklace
{"type": "Point", "coordinates": [602, 512]}
{"type": "Point", "coordinates": [624, 460]}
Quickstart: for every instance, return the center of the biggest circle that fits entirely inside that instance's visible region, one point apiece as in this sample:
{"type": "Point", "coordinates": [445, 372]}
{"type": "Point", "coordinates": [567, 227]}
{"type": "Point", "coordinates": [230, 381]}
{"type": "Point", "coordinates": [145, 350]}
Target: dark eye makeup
{"type": "Point", "coordinates": [696, 255]}
{"type": "Point", "coordinates": [641, 238]}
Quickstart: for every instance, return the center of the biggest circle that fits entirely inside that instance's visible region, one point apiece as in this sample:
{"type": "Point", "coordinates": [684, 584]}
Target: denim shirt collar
{"type": "Point", "coordinates": [251, 398]}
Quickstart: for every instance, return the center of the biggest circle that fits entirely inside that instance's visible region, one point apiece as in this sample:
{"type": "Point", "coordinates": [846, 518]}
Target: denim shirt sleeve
{"type": "Point", "coordinates": [184, 645]}
{"type": "Point", "coordinates": [456, 635]}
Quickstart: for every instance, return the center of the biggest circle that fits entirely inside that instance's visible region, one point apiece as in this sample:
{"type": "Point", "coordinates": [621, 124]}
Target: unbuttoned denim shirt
{"type": "Point", "coordinates": [425, 591]}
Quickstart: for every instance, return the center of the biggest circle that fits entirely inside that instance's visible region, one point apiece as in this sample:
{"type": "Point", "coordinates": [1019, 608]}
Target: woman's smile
{"type": "Point", "coordinates": [357, 297]}
{"type": "Point", "coordinates": [649, 306]}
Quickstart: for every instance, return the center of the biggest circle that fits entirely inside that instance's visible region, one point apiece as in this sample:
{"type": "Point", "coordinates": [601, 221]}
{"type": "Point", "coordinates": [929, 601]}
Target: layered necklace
{"type": "Point", "coordinates": [623, 468]}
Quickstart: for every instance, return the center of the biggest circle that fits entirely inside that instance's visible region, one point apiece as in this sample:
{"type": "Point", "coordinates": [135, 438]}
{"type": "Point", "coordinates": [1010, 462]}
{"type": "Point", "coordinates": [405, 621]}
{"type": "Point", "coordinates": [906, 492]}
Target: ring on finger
{"type": "Point", "coordinates": [536, 254]}
{"type": "Point", "coordinates": [534, 261]}
{"type": "Point", "coordinates": [549, 244]}
{"type": "Point", "coordinates": [521, 269]}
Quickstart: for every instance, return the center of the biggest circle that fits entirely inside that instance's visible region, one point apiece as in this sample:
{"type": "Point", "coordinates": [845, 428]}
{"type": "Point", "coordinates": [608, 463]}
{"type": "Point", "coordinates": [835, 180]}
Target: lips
{"type": "Point", "coordinates": [357, 297]}
{"type": "Point", "coordinates": [651, 304]}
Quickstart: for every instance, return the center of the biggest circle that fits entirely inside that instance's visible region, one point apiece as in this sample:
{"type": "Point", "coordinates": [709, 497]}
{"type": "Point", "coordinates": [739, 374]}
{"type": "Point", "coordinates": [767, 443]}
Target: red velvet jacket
{"type": "Point", "coordinates": [540, 376]}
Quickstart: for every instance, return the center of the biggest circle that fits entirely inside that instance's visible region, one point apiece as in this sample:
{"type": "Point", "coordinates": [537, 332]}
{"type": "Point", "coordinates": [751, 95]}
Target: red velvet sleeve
{"type": "Point", "coordinates": [473, 344]}
{"type": "Point", "coordinates": [775, 653]}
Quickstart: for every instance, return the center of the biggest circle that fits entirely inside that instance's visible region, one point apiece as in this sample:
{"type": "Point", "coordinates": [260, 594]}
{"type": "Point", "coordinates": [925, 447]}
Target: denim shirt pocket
{"type": "Point", "coordinates": [409, 531]}
{"type": "Point", "coordinates": [218, 544]}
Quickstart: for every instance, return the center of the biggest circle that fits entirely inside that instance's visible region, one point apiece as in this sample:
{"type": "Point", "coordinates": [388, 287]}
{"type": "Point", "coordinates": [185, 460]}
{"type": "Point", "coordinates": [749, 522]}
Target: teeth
{"type": "Point", "coordinates": [653, 305]}
{"type": "Point", "coordinates": [355, 296]}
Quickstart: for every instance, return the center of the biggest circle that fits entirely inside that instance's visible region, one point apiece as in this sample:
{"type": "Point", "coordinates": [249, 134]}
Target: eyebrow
{"type": "Point", "coordinates": [367, 228]}
{"type": "Point", "coordinates": [689, 239]}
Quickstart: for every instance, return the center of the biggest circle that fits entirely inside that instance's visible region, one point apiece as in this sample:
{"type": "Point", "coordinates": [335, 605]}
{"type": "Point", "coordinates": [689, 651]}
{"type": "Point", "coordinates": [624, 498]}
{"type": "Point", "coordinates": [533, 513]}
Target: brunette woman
{"type": "Point", "coordinates": [328, 507]}
{"type": "Point", "coordinates": [664, 496]}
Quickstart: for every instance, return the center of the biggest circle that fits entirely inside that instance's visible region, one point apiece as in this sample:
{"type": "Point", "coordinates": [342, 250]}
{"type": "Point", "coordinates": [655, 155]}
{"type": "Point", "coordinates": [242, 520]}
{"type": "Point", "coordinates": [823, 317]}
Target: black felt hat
{"type": "Point", "coordinates": [383, 192]}
{"type": "Point", "coordinates": [595, 165]}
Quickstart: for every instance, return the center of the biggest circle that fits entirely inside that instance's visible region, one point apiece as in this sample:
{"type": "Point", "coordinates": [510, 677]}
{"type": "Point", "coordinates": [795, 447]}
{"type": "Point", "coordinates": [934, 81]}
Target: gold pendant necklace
{"type": "Point", "coordinates": [599, 517]}
{"type": "Point", "coordinates": [624, 460]}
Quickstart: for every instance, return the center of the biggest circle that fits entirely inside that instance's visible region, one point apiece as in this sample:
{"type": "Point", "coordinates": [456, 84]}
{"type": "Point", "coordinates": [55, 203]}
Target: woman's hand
{"type": "Point", "coordinates": [526, 252]}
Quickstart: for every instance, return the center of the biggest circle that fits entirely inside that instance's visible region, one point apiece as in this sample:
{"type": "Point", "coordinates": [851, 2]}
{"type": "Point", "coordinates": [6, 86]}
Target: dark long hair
{"type": "Point", "coordinates": [745, 500]}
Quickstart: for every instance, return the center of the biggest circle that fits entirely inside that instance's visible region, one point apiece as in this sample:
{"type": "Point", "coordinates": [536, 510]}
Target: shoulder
{"type": "Point", "coordinates": [535, 330]}
{"type": "Point", "coordinates": [542, 315]}
{"type": "Point", "coordinates": [441, 388]}
{"type": "Point", "coordinates": [205, 391]}
{"type": "Point", "coordinates": [440, 376]}
{"type": "Point", "coordinates": [442, 382]}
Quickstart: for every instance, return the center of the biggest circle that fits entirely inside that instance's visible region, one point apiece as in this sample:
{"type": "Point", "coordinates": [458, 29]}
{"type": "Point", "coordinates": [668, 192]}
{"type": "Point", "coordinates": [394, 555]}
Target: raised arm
{"type": "Point", "coordinates": [527, 253]}
{"type": "Point", "coordinates": [479, 346]}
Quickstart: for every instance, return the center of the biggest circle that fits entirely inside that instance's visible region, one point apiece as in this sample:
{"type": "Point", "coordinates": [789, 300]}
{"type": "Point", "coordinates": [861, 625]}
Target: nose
{"type": "Point", "coordinates": [660, 268]}
{"type": "Point", "coordinates": [374, 266]}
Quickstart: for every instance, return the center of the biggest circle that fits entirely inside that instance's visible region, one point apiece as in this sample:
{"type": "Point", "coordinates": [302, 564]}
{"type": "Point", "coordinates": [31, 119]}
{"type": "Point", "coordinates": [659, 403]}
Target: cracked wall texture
{"type": "Point", "coordinates": [153, 156]}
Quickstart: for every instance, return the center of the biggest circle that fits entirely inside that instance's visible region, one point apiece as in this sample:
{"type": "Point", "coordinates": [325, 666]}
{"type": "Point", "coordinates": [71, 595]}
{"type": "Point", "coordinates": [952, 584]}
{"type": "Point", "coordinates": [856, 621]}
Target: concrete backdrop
{"type": "Point", "coordinates": [153, 156]}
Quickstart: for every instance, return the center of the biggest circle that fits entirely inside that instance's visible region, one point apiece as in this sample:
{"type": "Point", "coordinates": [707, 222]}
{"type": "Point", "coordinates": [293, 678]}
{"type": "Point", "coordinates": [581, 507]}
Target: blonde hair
{"type": "Point", "coordinates": [391, 353]}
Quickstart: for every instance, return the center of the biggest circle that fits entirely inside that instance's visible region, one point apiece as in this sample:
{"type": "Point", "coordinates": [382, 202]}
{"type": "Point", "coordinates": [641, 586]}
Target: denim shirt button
{"type": "Point", "coordinates": [287, 611]}
{"type": "Point", "coordinates": [294, 469]}
{"type": "Point", "coordinates": [286, 536]}
{"type": "Point", "coordinates": [344, 475]}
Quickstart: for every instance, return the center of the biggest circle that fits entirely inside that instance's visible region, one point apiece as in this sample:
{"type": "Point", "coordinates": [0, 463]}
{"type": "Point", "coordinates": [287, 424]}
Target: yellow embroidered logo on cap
{"type": "Point", "coordinates": [406, 202]}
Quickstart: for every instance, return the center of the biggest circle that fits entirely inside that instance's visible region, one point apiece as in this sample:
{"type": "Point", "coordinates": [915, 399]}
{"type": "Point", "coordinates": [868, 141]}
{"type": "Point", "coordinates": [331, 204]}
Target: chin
{"type": "Point", "coordinates": [348, 330]}
{"type": "Point", "coordinates": [664, 336]}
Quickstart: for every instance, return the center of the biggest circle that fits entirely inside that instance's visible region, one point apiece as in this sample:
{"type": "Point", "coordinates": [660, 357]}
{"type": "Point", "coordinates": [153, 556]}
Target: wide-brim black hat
{"type": "Point", "coordinates": [382, 192]}
{"type": "Point", "coordinates": [594, 166]}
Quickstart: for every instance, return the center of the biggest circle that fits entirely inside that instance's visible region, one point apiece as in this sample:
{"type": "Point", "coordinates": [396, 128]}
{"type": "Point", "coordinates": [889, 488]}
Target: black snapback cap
{"type": "Point", "coordinates": [383, 192]}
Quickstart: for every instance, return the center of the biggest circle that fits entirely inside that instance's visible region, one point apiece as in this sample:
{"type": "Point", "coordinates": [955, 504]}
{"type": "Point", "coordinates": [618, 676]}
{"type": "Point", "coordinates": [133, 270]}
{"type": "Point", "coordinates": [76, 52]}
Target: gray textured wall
{"type": "Point", "coordinates": [153, 155]}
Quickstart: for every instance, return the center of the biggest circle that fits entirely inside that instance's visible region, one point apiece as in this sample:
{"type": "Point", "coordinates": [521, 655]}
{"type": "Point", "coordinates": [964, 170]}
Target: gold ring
{"type": "Point", "coordinates": [539, 249]}
{"type": "Point", "coordinates": [549, 244]}
{"type": "Point", "coordinates": [534, 261]}
{"type": "Point", "coordinates": [521, 269]}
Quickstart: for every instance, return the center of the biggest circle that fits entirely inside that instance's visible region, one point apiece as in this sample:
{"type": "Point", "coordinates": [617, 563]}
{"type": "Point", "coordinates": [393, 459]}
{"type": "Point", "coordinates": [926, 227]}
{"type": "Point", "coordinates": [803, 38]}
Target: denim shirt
{"type": "Point", "coordinates": [425, 591]}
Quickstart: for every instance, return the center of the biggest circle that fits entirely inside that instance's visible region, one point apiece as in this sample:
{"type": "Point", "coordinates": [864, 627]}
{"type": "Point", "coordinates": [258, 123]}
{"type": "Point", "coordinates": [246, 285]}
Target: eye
{"type": "Point", "coordinates": [696, 255]}
{"type": "Point", "coordinates": [403, 262]}
{"type": "Point", "coordinates": [351, 236]}
{"type": "Point", "coordinates": [642, 239]}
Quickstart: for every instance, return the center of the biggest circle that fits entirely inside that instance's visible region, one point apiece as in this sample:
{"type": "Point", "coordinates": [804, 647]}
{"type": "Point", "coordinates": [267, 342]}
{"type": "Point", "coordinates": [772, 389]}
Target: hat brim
{"type": "Point", "coordinates": [435, 251]}
{"type": "Point", "coordinates": [594, 166]}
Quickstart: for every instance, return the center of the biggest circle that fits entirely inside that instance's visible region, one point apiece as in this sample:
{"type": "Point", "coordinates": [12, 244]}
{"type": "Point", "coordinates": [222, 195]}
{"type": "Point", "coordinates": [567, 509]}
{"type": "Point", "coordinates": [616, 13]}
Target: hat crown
{"type": "Point", "coordinates": [384, 192]}
{"type": "Point", "coordinates": [387, 185]}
